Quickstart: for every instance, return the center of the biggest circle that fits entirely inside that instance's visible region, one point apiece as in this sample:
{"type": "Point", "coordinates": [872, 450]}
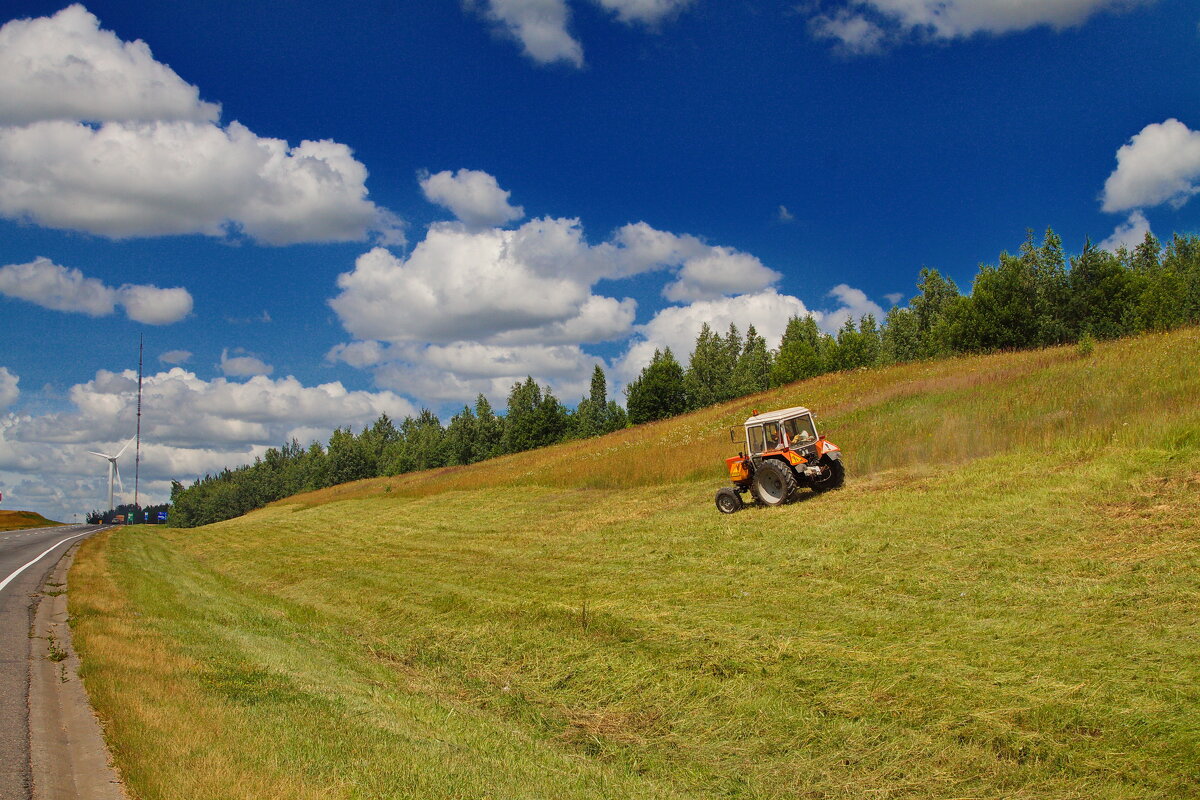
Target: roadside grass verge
{"type": "Point", "coordinates": [1016, 618]}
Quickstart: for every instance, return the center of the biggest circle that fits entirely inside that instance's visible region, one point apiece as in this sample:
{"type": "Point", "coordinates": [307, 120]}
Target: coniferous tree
{"type": "Point", "coordinates": [753, 371]}
{"type": "Point", "coordinates": [933, 307]}
{"type": "Point", "coordinates": [900, 339]}
{"type": "Point", "coordinates": [1172, 294]}
{"type": "Point", "coordinates": [617, 417]}
{"type": "Point", "coordinates": [534, 419]}
{"type": "Point", "coordinates": [1185, 252]}
{"type": "Point", "coordinates": [374, 441]}
{"type": "Point", "coordinates": [424, 442]}
{"type": "Point", "coordinates": [460, 440]}
{"type": "Point", "coordinates": [1050, 289]}
{"type": "Point", "coordinates": [856, 345]}
{"type": "Point", "coordinates": [489, 430]}
{"type": "Point", "coordinates": [803, 352]}
{"type": "Point", "coordinates": [552, 420]}
{"type": "Point", "coordinates": [347, 459]}
{"type": "Point", "coordinates": [658, 392]}
{"type": "Point", "coordinates": [709, 376]}
{"type": "Point", "coordinates": [590, 417]}
{"type": "Point", "coordinates": [1102, 295]}
{"type": "Point", "coordinates": [520, 418]}
{"type": "Point", "coordinates": [316, 467]}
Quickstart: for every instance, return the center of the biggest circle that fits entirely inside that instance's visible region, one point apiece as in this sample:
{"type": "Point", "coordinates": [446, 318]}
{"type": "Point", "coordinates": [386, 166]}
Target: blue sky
{"type": "Point", "coordinates": [314, 215]}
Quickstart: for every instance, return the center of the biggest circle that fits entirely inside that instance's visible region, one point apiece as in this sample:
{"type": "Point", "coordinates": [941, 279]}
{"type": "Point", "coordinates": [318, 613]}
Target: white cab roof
{"type": "Point", "coordinates": [776, 416]}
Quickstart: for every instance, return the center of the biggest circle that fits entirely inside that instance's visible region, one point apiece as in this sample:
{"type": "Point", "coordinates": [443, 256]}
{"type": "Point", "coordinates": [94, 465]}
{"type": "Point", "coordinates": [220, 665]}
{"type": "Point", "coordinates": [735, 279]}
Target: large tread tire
{"type": "Point", "coordinates": [728, 500]}
{"type": "Point", "coordinates": [774, 484]}
{"type": "Point", "coordinates": [833, 475]}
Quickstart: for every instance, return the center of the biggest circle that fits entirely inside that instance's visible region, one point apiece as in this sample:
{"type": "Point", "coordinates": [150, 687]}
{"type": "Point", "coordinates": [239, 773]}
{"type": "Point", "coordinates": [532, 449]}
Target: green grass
{"type": "Point", "coordinates": [20, 520]}
{"type": "Point", "coordinates": [1016, 617]}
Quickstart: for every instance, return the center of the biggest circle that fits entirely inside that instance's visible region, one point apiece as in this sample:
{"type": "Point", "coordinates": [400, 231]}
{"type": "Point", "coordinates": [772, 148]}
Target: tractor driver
{"type": "Point", "coordinates": [771, 432]}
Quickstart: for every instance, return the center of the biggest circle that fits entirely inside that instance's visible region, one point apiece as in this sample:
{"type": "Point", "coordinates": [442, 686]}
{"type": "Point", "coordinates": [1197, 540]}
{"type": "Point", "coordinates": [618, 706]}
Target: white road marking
{"type": "Point", "coordinates": [8, 580]}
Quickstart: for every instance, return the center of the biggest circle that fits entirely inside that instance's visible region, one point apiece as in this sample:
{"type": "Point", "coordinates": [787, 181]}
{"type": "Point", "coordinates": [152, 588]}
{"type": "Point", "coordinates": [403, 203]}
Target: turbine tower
{"type": "Point", "coordinates": [112, 470]}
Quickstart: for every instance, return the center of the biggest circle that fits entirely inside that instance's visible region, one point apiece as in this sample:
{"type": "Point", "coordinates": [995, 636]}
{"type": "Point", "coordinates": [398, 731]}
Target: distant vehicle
{"type": "Point", "coordinates": [119, 519]}
{"type": "Point", "coordinates": [783, 453]}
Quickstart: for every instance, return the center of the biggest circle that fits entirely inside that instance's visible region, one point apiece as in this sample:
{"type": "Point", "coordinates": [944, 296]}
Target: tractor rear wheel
{"type": "Point", "coordinates": [773, 483]}
{"type": "Point", "coordinates": [833, 475]}
{"type": "Point", "coordinates": [728, 500]}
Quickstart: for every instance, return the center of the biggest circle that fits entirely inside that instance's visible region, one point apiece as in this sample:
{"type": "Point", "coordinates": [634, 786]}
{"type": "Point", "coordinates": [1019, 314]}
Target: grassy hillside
{"type": "Point", "coordinates": [1002, 602]}
{"type": "Point", "coordinates": [17, 520]}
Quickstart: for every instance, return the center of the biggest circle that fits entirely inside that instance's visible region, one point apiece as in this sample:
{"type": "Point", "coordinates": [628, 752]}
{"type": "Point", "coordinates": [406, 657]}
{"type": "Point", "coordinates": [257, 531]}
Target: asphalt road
{"type": "Point", "coordinates": [17, 593]}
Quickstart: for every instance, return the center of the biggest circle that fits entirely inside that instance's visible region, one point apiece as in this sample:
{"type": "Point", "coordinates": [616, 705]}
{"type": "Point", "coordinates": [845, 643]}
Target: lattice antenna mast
{"type": "Point", "coordinates": [137, 458]}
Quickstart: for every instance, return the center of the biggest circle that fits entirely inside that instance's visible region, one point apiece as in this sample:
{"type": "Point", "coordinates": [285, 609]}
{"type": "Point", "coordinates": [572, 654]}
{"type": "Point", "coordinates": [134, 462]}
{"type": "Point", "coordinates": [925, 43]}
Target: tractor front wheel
{"type": "Point", "coordinates": [728, 500]}
{"type": "Point", "coordinates": [833, 475]}
{"type": "Point", "coordinates": [773, 483]}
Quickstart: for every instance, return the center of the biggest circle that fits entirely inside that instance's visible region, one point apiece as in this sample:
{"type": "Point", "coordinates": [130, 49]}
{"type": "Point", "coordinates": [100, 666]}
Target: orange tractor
{"type": "Point", "coordinates": [783, 453]}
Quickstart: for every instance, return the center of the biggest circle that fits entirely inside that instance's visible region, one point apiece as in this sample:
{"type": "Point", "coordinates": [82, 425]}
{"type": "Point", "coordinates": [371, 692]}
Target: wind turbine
{"type": "Point", "coordinates": [112, 470]}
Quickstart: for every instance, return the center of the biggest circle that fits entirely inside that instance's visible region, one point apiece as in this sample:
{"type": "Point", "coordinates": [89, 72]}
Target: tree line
{"type": "Point", "coordinates": [1036, 297]}
{"type": "Point", "coordinates": [533, 418]}
{"type": "Point", "coordinates": [129, 514]}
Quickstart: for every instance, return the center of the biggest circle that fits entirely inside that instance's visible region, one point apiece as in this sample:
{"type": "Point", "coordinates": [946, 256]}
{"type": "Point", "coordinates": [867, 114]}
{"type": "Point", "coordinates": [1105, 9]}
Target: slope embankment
{"type": "Point", "coordinates": [19, 520]}
{"type": "Point", "coordinates": [1001, 602]}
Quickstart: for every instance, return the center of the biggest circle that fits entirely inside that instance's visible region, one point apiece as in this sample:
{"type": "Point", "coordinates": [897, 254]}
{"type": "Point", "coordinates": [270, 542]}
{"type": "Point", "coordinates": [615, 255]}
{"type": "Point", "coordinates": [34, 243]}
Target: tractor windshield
{"type": "Point", "coordinates": [800, 430]}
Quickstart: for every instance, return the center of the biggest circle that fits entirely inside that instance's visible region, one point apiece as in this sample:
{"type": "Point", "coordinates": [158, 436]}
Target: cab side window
{"type": "Point", "coordinates": [756, 439]}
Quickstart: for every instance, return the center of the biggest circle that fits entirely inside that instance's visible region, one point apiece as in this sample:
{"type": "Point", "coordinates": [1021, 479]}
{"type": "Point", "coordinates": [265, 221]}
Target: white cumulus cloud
{"type": "Point", "coordinates": [853, 304]}
{"type": "Point", "coordinates": [649, 12]}
{"type": "Point", "coordinates": [243, 364]}
{"type": "Point", "coordinates": [473, 196]}
{"type": "Point", "coordinates": [455, 285]}
{"type": "Point", "coordinates": [65, 67]}
{"type": "Point", "coordinates": [473, 309]}
{"type": "Point", "coordinates": [128, 179]}
{"type": "Point", "coordinates": [9, 392]}
{"type": "Point", "coordinates": [49, 285]}
{"type": "Point", "coordinates": [540, 26]}
{"type": "Point", "coordinates": [719, 272]}
{"type": "Point", "coordinates": [158, 162]}
{"type": "Point", "coordinates": [459, 372]}
{"type": "Point", "coordinates": [863, 26]}
{"type": "Point", "coordinates": [1129, 234]}
{"type": "Point", "coordinates": [528, 285]}
{"type": "Point", "coordinates": [359, 354]}
{"type": "Point", "coordinates": [1160, 164]}
{"type": "Point", "coordinates": [175, 357]}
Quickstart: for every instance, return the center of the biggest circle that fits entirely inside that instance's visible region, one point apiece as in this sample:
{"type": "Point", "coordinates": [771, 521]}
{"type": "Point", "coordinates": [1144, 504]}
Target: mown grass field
{"type": "Point", "coordinates": [19, 520]}
{"type": "Point", "coordinates": [1002, 602]}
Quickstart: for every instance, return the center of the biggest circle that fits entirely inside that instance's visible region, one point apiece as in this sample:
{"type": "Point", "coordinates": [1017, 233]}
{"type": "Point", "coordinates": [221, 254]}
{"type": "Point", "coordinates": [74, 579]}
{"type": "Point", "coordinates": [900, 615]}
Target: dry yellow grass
{"type": "Point", "coordinates": [902, 416]}
{"type": "Point", "coordinates": [17, 520]}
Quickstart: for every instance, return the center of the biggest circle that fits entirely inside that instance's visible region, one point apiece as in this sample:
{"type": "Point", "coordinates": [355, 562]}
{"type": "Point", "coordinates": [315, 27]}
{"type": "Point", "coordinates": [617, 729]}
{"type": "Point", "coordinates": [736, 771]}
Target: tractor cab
{"type": "Point", "coordinates": [776, 431]}
{"type": "Point", "coordinates": [783, 453]}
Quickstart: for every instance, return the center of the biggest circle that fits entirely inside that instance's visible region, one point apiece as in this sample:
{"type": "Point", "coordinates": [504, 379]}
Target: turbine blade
{"type": "Point", "coordinates": [118, 471]}
{"type": "Point", "coordinates": [102, 455]}
{"type": "Point", "coordinates": [122, 450]}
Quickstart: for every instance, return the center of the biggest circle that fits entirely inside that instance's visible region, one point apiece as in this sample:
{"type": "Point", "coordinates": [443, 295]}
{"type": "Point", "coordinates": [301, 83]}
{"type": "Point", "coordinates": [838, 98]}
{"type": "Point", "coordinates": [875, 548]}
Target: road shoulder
{"type": "Point", "coordinates": [69, 760]}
